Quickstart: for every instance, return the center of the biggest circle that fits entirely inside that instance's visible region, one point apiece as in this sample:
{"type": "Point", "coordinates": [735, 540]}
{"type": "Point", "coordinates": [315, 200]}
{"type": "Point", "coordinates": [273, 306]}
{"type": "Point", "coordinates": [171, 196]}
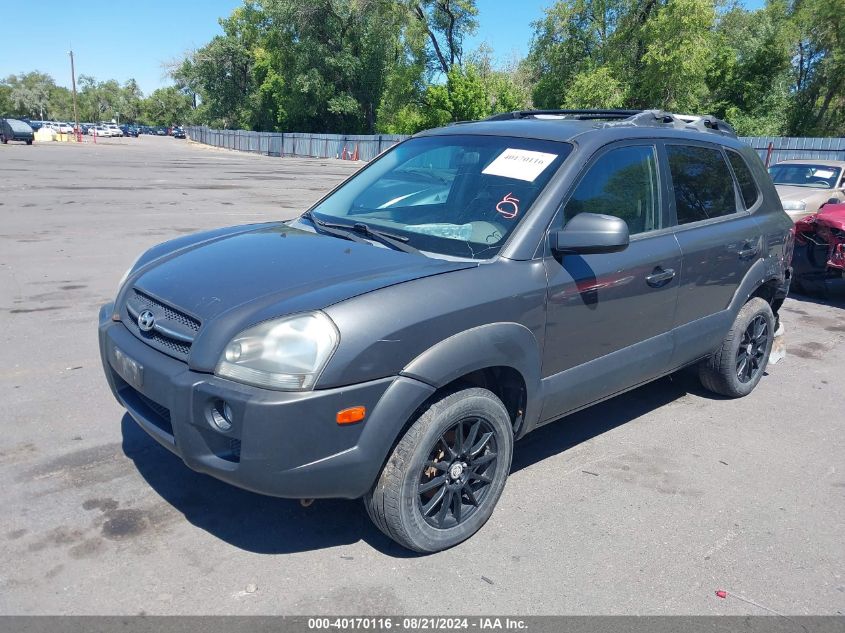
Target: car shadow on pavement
{"type": "Point", "coordinates": [563, 434]}
{"type": "Point", "coordinates": [834, 301]}
{"type": "Point", "coordinates": [268, 525]}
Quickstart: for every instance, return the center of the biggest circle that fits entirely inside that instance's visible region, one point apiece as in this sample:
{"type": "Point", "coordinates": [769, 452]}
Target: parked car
{"type": "Point", "coordinates": [98, 130]}
{"type": "Point", "coordinates": [805, 186]}
{"type": "Point", "coordinates": [60, 127]}
{"type": "Point", "coordinates": [15, 130]}
{"type": "Point", "coordinates": [129, 130]}
{"type": "Point", "coordinates": [113, 129]}
{"type": "Point", "coordinates": [35, 125]}
{"type": "Point", "coordinates": [464, 288]}
{"type": "Point", "coordinates": [178, 132]}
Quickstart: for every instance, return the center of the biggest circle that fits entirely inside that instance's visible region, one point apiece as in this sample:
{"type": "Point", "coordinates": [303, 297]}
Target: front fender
{"type": "Point", "coordinates": [491, 345]}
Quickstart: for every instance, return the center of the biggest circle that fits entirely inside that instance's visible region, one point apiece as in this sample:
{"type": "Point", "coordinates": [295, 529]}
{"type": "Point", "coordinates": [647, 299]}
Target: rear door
{"type": "Point", "coordinates": [609, 316]}
{"type": "Point", "coordinates": [719, 239]}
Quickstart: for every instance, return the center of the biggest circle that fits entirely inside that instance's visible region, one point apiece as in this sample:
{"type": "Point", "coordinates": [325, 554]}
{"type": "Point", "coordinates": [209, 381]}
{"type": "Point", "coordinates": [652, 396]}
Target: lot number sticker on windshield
{"type": "Point", "coordinates": [822, 173]}
{"type": "Point", "coordinates": [521, 164]}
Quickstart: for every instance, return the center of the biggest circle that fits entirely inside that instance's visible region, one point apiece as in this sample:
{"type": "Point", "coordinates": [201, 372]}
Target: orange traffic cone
{"type": "Point", "coordinates": [343, 153]}
{"type": "Point", "coordinates": [355, 154]}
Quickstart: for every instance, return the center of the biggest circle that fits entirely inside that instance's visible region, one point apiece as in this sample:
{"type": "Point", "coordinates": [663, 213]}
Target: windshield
{"type": "Point", "coordinates": [458, 195]}
{"type": "Point", "coordinates": [803, 175]}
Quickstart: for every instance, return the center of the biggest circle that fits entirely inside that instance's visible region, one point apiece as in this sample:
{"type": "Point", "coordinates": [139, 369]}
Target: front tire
{"type": "Point", "coordinates": [739, 363]}
{"type": "Point", "coordinates": [444, 477]}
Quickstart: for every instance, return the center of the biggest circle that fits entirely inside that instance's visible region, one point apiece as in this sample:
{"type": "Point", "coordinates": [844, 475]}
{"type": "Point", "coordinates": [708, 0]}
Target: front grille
{"type": "Point", "coordinates": [174, 331]}
{"type": "Point", "coordinates": [146, 302]}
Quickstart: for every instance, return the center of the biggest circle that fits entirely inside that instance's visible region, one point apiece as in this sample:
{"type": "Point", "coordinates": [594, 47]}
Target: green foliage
{"type": "Point", "coordinates": [771, 71]}
{"type": "Point", "coordinates": [167, 106]}
{"type": "Point", "coordinates": [400, 66]}
{"type": "Point", "coordinates": [29, 94]}
{"type": "Point", "coordinates": [595, 88]}
{"type": "Point", "coordinates": [677, 55]}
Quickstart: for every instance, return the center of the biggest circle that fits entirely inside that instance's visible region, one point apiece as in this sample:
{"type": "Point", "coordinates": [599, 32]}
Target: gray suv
{"type": "Point", "coordinates": [466, 287]}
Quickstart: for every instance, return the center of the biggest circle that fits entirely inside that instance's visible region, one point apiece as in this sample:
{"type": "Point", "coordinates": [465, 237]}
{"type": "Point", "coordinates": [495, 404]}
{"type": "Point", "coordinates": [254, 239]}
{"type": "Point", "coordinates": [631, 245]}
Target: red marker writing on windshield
{"type": "Point", "coordinates": [508, 206]}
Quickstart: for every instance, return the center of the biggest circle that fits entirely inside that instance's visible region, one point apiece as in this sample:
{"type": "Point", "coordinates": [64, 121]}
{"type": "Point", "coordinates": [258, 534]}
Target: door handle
{"type": "Point", "coordinates": [660, 277]}
{"type": "Point", "coordinates": [748, 250]}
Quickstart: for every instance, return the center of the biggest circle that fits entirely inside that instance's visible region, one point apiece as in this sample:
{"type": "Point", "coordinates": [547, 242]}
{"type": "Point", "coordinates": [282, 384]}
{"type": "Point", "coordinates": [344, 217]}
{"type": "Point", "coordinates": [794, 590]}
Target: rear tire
{"type": "Point", "coordinates": [443, 479]}
{"type": "Point", "coordinates": [29, 142]}
{"type": "Point", "coordinates": [739, 363]}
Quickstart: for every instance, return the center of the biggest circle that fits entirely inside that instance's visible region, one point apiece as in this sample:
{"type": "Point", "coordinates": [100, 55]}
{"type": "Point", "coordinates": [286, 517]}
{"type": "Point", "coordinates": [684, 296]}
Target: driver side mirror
{"type": "Point", "coordinates": [590, 233]}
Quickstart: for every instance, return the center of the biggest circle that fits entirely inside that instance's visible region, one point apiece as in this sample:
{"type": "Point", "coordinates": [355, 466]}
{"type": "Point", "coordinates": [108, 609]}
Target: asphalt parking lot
{"type": "Point", "coordinates": [646, 504]}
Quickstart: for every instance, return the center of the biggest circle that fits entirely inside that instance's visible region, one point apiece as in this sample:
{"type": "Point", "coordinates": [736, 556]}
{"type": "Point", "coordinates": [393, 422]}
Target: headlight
{"type": "Point", "coordinates": [286, 354]}
{"type": "Point", "coordinates": [126, 274]}
{"type": "Point", "coordinates": [794, 205]}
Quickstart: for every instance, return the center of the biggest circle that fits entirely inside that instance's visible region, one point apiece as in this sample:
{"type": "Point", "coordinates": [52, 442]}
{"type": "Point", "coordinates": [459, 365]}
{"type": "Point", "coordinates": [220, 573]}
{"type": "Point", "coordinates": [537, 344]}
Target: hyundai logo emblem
{"type": "Point", "coordinates": [146, 321]}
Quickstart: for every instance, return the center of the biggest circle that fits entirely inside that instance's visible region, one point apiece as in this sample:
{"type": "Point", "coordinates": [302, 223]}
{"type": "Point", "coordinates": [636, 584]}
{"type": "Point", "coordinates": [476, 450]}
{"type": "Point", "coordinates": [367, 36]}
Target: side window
{"type": "Point", "coordinates": [623, 183]}
{"type": "Point", "coordinates": [747, 186]}
{"type": "Point", "coordinates": [702, 182]}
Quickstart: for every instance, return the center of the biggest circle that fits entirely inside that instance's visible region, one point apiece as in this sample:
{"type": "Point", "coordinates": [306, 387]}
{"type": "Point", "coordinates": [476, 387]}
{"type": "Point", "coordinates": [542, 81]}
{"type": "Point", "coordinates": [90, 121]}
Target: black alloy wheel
{"type": "Point", "coordinates": [752, 349]}
{"type": "Point", "coordinates": [456, 477]}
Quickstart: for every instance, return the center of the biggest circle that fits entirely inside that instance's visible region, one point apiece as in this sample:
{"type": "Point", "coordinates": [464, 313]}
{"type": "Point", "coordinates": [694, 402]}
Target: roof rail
{"type": "Point", "coordinates": [614, 118]}
{"type": "Point", "coordinates": [568, 114]}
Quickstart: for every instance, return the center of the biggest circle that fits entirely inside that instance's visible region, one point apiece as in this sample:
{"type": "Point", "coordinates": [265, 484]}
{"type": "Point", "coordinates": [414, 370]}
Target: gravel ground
{"type": "Point", "coordinates": [645, 504]}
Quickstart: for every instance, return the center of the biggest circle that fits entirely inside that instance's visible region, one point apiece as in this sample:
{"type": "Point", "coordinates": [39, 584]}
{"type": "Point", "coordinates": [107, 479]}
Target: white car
{"type": "Point", "coordinates": [805, 186]}
{"type": "Point", "coordinates": [113, 130]}
{"type": "Point", "coordinates": [98, 130]}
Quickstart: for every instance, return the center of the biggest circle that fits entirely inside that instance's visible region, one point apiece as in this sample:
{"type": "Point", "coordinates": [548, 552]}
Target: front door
{"type": "Point", "coordinates": [609, 316]}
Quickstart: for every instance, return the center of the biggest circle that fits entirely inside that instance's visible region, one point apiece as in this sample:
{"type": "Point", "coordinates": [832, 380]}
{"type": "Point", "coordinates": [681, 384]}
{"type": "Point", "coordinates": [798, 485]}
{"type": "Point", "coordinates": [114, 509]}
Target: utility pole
{"type": "Point", "coordinates": [73, 83]}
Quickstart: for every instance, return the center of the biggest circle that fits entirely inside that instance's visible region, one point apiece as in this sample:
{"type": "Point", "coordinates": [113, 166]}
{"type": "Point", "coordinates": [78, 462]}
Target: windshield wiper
{"type": "Point", "coordinates": [332, 229]}
{"type": "Point", "coordinates": [396, 242]}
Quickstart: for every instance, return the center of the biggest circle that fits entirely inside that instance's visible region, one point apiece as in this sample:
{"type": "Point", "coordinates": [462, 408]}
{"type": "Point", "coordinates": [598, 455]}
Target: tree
{"type": "Point", "coordinates": [575, 37]}
{"type": "Point", "coordinates": [819, 65]}
{"type": "Point", "coordinates": [30, 93]}
{"type": "Point", "coordinates": [595, 88]}
{"type": "Point", "coordinates": [5, 99]}
{"type": "Point", "coordinates": [677, 56]}
{"type": "Point", "coordinates": [446, 23]}
{"type": "Point", "coordinates": [167, 106]}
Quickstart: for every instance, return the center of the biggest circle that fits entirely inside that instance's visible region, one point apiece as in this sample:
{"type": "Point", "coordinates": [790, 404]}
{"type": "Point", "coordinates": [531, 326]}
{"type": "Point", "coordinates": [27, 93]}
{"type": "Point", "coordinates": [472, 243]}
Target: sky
{"type": "Point", "coordinates": [122, 39]}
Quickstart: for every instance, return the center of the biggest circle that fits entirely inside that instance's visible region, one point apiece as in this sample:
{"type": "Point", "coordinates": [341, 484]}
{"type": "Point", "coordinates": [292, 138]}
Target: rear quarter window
{"type": "Point", "coordinates": [702, 183]}
{"type": "Point", "coordinates": [747, 185]}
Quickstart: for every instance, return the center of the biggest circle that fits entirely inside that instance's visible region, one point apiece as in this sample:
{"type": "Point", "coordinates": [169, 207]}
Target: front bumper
{"type": "Point", "coordinates": [285, 444]}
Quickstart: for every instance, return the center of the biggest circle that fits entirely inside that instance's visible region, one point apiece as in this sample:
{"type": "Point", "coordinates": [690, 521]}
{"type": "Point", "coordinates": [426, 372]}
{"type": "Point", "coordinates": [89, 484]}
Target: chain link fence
{"type": "Point", "coordinates": [297, 144]}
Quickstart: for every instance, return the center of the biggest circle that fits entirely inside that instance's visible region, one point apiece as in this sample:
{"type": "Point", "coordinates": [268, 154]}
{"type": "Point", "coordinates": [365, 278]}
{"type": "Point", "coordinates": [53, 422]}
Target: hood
{"type": "Point", "coordinates": [276, 264]}
{"type": "Point", "coordinates": [247, 277]}
{"type": "Point", "coordinates": [791, 192]}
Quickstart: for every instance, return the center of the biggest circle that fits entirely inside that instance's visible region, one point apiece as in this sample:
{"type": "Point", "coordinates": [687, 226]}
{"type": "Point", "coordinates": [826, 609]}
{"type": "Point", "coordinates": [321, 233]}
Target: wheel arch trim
{"type": "Point", "coordinates": [503, 344]}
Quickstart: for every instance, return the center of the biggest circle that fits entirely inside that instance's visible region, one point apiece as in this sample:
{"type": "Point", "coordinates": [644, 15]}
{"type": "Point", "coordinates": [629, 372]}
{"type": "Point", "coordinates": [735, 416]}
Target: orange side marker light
{"type": "Point", "coordinates": [351, 415]}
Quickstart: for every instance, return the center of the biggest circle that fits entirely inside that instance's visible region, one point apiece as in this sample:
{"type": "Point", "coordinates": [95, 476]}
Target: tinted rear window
{"type": "Point", "coordinates": [747, 186]}
{"type": "Point", "coordinates": [704, 187]}
{"type": "Point", "coordinates": [19, 126]}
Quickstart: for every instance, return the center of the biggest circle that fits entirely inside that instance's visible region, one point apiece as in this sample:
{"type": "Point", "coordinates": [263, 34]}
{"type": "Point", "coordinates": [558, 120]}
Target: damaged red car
{"type": "Point", "coordinates": [819, 257]}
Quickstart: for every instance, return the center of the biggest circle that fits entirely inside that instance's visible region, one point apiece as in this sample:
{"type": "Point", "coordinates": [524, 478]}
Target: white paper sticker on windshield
{"type": "Point", "coordinates": [521, 164]}
{"type": "Point", "coordinates": [822, 173]}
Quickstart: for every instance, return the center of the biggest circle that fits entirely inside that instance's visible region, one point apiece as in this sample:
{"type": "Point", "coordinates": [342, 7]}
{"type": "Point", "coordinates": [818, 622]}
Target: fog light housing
{"type": "Point", "coordinates": [221, 416]}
